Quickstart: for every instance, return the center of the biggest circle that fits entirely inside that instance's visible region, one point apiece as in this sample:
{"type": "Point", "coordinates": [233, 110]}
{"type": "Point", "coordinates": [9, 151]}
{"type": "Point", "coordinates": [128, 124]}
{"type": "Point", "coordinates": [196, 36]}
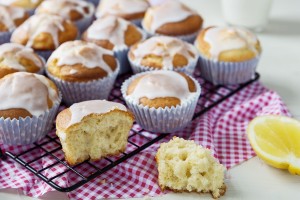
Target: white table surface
{"type": "Point", "coordinates": [280, 70]}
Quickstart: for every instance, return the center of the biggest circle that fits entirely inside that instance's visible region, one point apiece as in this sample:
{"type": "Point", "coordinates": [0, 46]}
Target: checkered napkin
{"type": "Point", "coordinates": [222, 130]}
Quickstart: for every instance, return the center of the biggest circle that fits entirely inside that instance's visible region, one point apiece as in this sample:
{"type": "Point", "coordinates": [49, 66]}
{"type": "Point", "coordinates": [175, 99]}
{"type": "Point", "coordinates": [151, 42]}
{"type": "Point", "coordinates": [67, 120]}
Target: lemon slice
{"type": "Point", "coordinates": [276, 140]}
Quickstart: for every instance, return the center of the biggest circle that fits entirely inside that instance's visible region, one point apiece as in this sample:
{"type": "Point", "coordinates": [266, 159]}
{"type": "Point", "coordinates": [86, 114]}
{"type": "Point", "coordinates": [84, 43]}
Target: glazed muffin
{"type": "Point", "coordinates": [10, 18]}
{"type": "Point", "coordinates": [82, 71]}
{"type": "Point", "coordinates": [116, 34]}
{"type": "Point", "coordinates": [172, 18]}
{"type": "Point", "coordinates": [29, 103]}
{"type": "Point", "coordinates": [16, 58]}
{"type": "Point", "coordinates": [163, 52]}
{"type": "Point", "coordinates": [132, 10]}
{"type": "Point", "coordinates": [228, 55]}
{"type": "Point", "coordinates": [184, 166]}
{"type": "Point", "coordinates": [79, 12]}
{"type": "Point", "coordinates": [44, 33]}
{"type": "Point", "coordinates": [26, 4]}
{"type": "Point", "coordinates": [162, 101]}
{"type": "Point", "coordinates": [93, 130]}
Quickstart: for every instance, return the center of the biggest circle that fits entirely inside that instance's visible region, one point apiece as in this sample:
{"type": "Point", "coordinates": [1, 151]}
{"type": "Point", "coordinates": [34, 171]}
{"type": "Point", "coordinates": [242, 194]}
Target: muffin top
{"type": "Point", "coordinates": [69, 9]}
{"type": "Point", "coordinates": [16, 57]}
{"type": "Point", "coordinates": [25, 94]}
{"type": "Point", "coordinates": [44, 32]}
{"type": "Point", "coordinates": [11, 17]}
{"type": "Point", "coordinates": [172, 18]}
{"type": "Point", "coordinates": [163, 52]}
{"type": "Point", "coordinates": [161, 89]}
{"type": "Point", "coordinates": [80, 61]}
{"type": "Point", "coordinates": [111, 32]}
{"type": "Point", "coordinates": [127, 9]}
{"type": "Point", "coordinates": [27, 4]}
{"type": "Point", "coordinates": [228, 44]}
{"type": "Point", "coordinates": [78, 111]}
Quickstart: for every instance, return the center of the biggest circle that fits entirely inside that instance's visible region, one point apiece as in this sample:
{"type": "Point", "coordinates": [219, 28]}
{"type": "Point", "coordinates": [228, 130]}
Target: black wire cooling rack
{"type": "Point", "coordinates": [57, 169]}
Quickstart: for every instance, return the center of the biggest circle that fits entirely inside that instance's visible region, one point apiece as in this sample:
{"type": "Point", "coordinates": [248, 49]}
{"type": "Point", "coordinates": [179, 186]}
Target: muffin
{"type": "Point", "coordinates": [44, 33]}
{"type": "Point", "coordinates": [17, 58]}
{"type": "Point", "coordinates": [29, 103]}
{"type": "Point", "coordinates": [82, 71]}
{"type": "Point", "coordinates": [29, 5]}
{"type": "Point", "coordinates": [131, 10]}
{"type": "Point", "coordinates": [162, 101]}
{"type": "Point", "coordinates": [172, 18]}
{"type": "Point", "coordinates": [163, 52]}
{"type": "Point", "coordinates": [93, 130]}
{"type": "Point", "coordinates": [116, 34]}
{"type": "Point", "coordinates": [184, 166]}
{"type": "Point", "coordinates": [79, 12]}
{"type": "Point", "coordinates": [228, 55]}
{"type": "Point", "coordinates": [10, 18]}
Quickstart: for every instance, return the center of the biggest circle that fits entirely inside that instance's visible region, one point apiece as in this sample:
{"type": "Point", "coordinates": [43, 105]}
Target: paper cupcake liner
{"type": "Point", "coordinates": [121, 55]}
{"type": "Point", "coordinates": [95, 2]}
{"type": "Point", "coordinates": [137, 22]}
{"type": "Point", "coordinates": [27, 130]}
{"type": "Point", "coordinates": [31, 11]}
{"type": "Point", "coordinates": [5, 37]}
{"type": "Point", "coordinates": [225, 73]}
{"type": "Point", "coordinates": [162, 120]}
{"type": "Point", "coordinates": [84, 23]}
{"type": "Point", "coordinates": [44, 53]}
{"type": "Point", "coordinates": [188, 69]}
{"type": "Point", "coordinates": [74, 92]}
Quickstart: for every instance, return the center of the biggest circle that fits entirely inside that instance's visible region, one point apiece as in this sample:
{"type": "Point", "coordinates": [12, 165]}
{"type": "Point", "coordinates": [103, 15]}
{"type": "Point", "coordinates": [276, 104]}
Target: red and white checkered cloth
{"type": "Point", "coordinates": [222, 130]}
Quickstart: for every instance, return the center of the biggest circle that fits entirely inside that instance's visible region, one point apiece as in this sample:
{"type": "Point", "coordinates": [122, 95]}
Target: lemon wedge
{"type": "Point", "coordinates": [276, 140]}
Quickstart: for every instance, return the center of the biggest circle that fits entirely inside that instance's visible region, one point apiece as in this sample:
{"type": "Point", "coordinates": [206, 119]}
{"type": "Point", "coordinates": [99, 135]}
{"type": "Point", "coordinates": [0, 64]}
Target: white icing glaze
{"type": "Point", "coordinates": [227, 38]}
{"type": "Point", "coordinates": [109, 28]}
{"type": "Point", "coordinates": [9, 2]}
{"type": "Point", "coordinates": [41, 23]}
{"type": "Point", "coordinates": [64, 7]}
{"type": "Point", "coordinates": [121, 7]}
{"type": "Point", "coordinates": [159, 84]}
{"type": "Point", "coordinates": [26, 91]}
{"type": "Point", "coordinates": [82, 109]}
{"type": "Point", "coordinates": [12, 52]}
{"type": "Point", "coordinates": [168, 12]}
{"type": "Point", "coordinates": [79, 52]}
{"type": "Point", "coordinates": [9, 14]}
{"type": "Point", "coordinates": [166, 47]}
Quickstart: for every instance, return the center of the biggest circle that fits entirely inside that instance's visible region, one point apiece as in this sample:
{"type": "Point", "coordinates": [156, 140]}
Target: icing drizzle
{"type": "Point", "coordinates": [82, 109]}
{"type": "Point", "coordinates": [12, 52]}
{"type": "Point", "coordinates": [26, 91]}
{"type": "Point", "coordinates": [79, 52]}
{"type": "Point", "coordinates": [160, 84]}
{"type": "Point", "coordinates": [9, 14]}
{"type": "Point", "coordinates": [228, 38]}
{"type": "Point", "coordinates": [166, 47]}
{"type": "Point", "coordinates": [121, 7]}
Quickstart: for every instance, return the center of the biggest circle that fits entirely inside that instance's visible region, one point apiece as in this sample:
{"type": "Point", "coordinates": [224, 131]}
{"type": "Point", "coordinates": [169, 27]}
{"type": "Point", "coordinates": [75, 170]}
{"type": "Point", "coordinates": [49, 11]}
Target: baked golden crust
{"type": "Point", "coordinates": [233, 55]}
{"type": "Point", "coordinates": [17, 22]}
{"type": "Point", "coordinates": [132, 36]}
{"type": "Point", "coordinates": [83, 74]}
{"type": "Point", "coordinates": [160, 102]}
{"type": "Point", "coordinates": [27, 4]}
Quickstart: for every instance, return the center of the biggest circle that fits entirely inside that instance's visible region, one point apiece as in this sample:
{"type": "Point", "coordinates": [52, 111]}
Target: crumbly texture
{"type": "Point", "coordinates": [161, 102]}
{"type": "Point", "coordinates": [184, 166]}
{"type": "Point", "coordinates": [234, 55]}
{"type": "Point", "coordinates": [17, 22]}
{"type": "Point", "coordinates": [132, 36]}
{"type": "Point", "coordinates": [44, 41]}
{"type": "Point", "coordinates": [28, 4]}
{"type": "Point", "coordinates": [95, 137]}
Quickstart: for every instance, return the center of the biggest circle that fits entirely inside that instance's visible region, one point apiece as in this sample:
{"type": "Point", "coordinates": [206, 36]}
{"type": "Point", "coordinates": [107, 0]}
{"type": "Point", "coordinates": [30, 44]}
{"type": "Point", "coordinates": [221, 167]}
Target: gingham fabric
{"type": "Point", "coordinates": [222, 130]}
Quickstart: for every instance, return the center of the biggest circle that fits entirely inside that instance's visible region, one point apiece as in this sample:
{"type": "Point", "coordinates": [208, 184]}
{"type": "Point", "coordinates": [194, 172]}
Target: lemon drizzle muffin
{"type": "Point", "coordinates": [172, 18]}
{"type": "Point", "coordinates": [162, 101]}
{"type": "Point", "coordinates": [132, 10]}
{"type": "Point", "coordinates": [44, 33]}
{"type": "Point", "coordinates": [93, 129]}
{"type": "Point", "coordinates": [117, 34]}
{"type": "Point", "coordinates": [10, 18]}
{"type": "Point", "coordinates": [16, 58]}
{"type": "Point", "coordinates": [228, 55]}
{"type": "Point", "coordinates": [79, 12]}
{"type": "Point", "coordinates": [162, 52]}
{"type": "Point", "coordinates": [28, 106]}
{"type": "Point", "coordinates": [82, 71]}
